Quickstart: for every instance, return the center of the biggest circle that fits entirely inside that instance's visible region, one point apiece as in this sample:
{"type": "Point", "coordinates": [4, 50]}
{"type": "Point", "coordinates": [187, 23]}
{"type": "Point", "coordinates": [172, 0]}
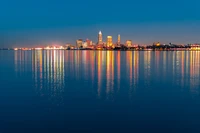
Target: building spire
{"type": "Point", "coordinates": [100, 38]}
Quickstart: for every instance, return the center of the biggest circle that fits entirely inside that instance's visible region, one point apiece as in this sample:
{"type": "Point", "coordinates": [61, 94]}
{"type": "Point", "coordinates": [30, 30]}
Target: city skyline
{"type": "Point", "coordinates": [140, 37]}
{"type": "Point", "coordinates": [58, 22]}
{"type": "Point", "coordinates": [123, 66]}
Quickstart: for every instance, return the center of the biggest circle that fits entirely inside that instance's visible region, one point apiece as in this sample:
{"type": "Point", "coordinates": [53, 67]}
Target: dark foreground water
{"type": "Point", "coordinates": [99, 92]}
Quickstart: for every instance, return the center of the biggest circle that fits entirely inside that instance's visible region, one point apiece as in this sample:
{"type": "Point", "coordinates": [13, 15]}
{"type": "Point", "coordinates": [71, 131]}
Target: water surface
{"type": "Point", "coordinates": [59, 91]}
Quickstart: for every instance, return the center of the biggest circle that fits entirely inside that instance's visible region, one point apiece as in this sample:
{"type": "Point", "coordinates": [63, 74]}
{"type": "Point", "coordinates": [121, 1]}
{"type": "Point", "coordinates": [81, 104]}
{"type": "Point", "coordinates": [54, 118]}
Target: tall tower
{"type": "Point", "coordinates": [109, 41]}
{"type": "Point", "coordinates": [100, 38]}
{"type": "Point", "coordinates": [118, 40]}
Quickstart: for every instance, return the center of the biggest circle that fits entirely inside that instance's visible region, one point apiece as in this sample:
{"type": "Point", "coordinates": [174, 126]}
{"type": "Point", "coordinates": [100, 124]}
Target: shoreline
{"type": "Point", "coordinates": [99, 50]}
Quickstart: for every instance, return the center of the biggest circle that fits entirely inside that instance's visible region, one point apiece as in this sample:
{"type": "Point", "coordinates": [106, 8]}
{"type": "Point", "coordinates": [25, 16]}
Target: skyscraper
{"type": "Point", "coordinates": [100, 38]}
{"type": "Point", "coordinates": [79, 43]}
{"type": "Point", "coordinates": [109, 41]}
{"type": "Point", "coordinates": [128, 43]}
{"type": "Point", "coordinates": [89, 42]}
{"type": "Point", "coordinates": [118, 40]}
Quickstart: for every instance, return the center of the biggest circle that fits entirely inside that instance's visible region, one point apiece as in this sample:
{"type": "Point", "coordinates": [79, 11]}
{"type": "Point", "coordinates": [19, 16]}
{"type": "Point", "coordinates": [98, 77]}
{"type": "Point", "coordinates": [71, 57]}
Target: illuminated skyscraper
{"type": "Point", "coordinates": [85, 44]}
{"type": "Point", "coordinates": [100, 38]}
{"type": "Point", "coordinates": [118, 40]}
{"type": "Point", "coordinates": [128, 43]}
{"type": "Point", "coordinates": [109, 41]}
{"type": "Point", "coordinates": [89, 42]}
{"type": "Point", "coordinates": [79, 43]}
{"type": "Point", "coordinates": [156, 43]}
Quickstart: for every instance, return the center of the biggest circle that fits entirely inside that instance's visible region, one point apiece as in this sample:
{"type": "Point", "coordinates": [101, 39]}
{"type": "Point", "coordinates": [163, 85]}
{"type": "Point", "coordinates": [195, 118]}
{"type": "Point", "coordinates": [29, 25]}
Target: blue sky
{"type": "Point", "coordinates": [28, 22]}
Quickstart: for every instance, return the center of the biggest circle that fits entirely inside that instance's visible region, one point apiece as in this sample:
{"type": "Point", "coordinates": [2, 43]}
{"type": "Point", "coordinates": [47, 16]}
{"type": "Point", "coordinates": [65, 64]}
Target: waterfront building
{"type": "Point", "coordinates": [89, 42]}
{"type": "Point", "coordinates": [109, 41]}
{"type": "Point", "coordinates": [85, 45]}
{"type": "Point", "coordinates": [54, 47]}
{"type": "Point", "coordinates": [156, 43]}
{"type": "Point", "coordinates": [128, 43]}
{"type": "Point", "coordinates": [67, 46]}
{"type": "Point", "coordinates": [195, 46]}
{"type": "Point", "coordinates": [100, 38]}
{"type": "Point", "coordinates": [79, 43]}
{"type": "Point", "coordinates": [118, 40]}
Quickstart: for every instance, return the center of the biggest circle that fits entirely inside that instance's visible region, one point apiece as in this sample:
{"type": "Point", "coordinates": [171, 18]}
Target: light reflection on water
{"type": "Point", "coordinates": [47, 69]}
{"type": "Point", "coordinates": [108, 71]}
{"type": "Point", "coordinates": [79, 90]}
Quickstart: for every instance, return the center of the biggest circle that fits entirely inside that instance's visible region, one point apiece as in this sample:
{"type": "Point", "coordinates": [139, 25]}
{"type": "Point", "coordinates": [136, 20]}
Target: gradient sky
{"type": "Point", "coordinates": [42, 22]}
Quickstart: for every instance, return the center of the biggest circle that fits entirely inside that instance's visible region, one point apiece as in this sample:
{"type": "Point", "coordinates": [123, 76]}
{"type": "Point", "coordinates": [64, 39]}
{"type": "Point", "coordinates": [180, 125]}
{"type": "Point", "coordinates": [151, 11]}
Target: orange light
{"type": "Point", "coordinates": [38, 48]}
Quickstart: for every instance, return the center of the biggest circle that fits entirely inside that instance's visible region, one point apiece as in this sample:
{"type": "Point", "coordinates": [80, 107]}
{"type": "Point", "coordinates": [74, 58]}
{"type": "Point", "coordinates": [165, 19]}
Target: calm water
{"type": "Point", "coordinates": [99, 91]}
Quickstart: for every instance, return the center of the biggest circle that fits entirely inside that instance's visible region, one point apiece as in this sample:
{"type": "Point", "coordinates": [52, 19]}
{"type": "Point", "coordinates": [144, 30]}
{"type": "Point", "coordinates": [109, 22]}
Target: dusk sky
{"type": "Point", "coordinates": [42, 22]}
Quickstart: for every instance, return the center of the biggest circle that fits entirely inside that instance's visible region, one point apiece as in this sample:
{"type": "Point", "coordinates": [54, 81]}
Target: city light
{"type": "Point", "coordinates": [38, 48]}
{"type": "Point", "coordinates": [110, 44]}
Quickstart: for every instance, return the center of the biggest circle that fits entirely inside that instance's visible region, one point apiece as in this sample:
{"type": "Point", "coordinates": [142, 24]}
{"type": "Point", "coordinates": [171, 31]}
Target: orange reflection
{"type": "Point", "coordinates": [118, 67]}
{"type": "Point", "coordinates": [99, 73]}
{"type": "Point", "coordinates": [109, 72]}
{"type": "Point", "coordinates": [85, 60]}
{"type": "Point", "coordinates": [185, 69]}
{"type": "Point", "coordinates": [130, 72]}
{"type": "Point", "coordinates": [92, 62]}
{"type": "Point", "coordinates": [164, 72]}
{"type": "Point", "coordinates": [136, 67]}
{"type": "Point", "coordinates": [194, 71]}
{"type": "Point", "coordinates": [157, 59]}
{"type": "Point", "coordinates": [49, 70]}
{"type": "Point", "coordinates": [112, 70]}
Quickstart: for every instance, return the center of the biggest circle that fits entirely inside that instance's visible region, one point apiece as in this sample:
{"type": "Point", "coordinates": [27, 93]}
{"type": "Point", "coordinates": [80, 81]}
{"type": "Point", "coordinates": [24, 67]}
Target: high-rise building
{"type": "Point", "coordinates": [79, 43]}
{"type": "Point", "coordinates": [156, 43]}
{"type": "Point", "coordinates": [85, 44]}
{"type": "Point", "coordinates": [100, 38]}
{"type": "Point", "coordinates": [128, 43]}
{"type": "Point", "coordinates": [109, 41]}
{"type": "Point", "coordinates": [89, 42]}
{"type": "Point", "coordinates": [118, 40]}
